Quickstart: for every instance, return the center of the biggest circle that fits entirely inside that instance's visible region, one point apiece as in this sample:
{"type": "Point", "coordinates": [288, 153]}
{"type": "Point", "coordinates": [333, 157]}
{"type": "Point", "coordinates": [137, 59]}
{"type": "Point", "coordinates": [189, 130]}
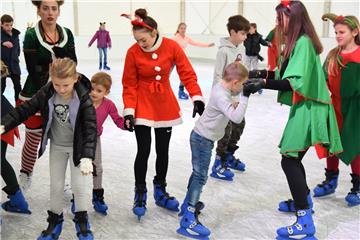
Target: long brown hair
{"type": "Point", "coordinates": [180, 24]}
{"type": "Point", "coordinates": [299, 24]}
{"type": "Point", "coordinates": [333, 62]}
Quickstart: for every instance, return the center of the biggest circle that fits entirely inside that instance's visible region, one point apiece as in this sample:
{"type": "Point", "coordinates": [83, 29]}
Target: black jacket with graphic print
{"type": "Point", "coordinates": [85, 132]}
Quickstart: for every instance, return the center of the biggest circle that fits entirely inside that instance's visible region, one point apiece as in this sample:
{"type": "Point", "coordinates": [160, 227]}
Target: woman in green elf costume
{"type": "Point", "coordinates": [42, 43]}
{"type": "Point", "coordinates": [342, 71]}
{"type": "Point", "coordinates": [312, 120]}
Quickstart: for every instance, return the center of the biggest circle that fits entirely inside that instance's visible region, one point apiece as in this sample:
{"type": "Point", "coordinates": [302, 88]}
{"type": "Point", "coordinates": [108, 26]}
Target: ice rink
{"type": "Point", "coordinates": [243, 209]}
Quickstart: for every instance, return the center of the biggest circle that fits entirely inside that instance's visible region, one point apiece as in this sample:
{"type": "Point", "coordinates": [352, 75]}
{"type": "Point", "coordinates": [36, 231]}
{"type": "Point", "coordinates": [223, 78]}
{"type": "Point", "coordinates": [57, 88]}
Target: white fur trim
{"type": "Point", "coordinates": [158, 124]}
{"type": "Point", "coordinates": [129, 111]}
{"type": "Point", "coordinates": [155, 47]}
{"type": "Point", "coordinates": [48, 46]}
{"type": "Point", "coordinates": [198, 98]}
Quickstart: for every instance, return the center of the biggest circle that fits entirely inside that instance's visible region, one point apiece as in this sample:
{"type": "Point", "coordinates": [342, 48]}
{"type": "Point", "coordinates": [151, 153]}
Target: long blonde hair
{"type": "Point", "coordinates": [333, 63]}
{"type": "Point", "coordinates": [63, 68]}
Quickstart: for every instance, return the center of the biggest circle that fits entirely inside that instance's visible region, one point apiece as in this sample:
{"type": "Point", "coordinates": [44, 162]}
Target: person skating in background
{"type": "Point", "coordinates": [230, 50]}
{"type": "Point", "coordinates": [252, 46]}
{"type": "Point", "coordinates": [342, 69]}
{"type": "Point", "coordinates": [103, 43]}
{"type": "Point", "coordinates": [10, 52]}
{"type": "Point", "coordinates": [149, 102]}
{"type": "Point", "coordinates": [183, 40]}
{"type": "Point", "coordinates": [273, 53]}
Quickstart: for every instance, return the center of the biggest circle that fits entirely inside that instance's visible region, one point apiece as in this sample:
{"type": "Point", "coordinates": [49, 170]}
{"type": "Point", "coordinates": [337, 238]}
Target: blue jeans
{"type": "Point", "coordinates": [101, 50]}
{"type": "Point", "coordinates": [201, 155]}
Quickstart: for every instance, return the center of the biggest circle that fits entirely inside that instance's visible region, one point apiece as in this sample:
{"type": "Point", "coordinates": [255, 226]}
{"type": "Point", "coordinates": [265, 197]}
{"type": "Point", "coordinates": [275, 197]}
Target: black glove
{"type": "Point", "coordinates": [260, 58]}
{"type": "Point", "coordinates": [60, 52]}
{"type": "Point", "coordinates": [199, 107]}
{"type": "Point", "coordinates": [129, 123]}
{"type": "Point", "coordinates": [261, 74]}
{"type": "Point", "coordinates": [253, 85]}
{"type": "Point", "coordinates": [246, 90]}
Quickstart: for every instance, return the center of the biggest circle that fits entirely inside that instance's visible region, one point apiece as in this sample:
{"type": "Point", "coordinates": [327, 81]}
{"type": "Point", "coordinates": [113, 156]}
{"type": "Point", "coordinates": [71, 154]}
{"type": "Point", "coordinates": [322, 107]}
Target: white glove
{"type": "Point", "coordinates": [86, 166]}
{"type": "Point", "coordinates": [2, 129]}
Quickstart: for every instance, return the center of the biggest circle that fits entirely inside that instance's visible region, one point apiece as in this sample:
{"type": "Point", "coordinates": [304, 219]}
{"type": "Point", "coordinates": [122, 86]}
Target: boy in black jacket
{"type": "Point", "coordinates": [10, 51]}
{"type": "Point", "coordinates": [252, 46]}
{"type": "Point", "coordinates": [70, 122]}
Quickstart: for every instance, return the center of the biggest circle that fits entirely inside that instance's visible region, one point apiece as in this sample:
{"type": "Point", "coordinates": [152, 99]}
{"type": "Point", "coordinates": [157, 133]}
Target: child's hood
{"type": "Point", "coordinates": [225, 42]}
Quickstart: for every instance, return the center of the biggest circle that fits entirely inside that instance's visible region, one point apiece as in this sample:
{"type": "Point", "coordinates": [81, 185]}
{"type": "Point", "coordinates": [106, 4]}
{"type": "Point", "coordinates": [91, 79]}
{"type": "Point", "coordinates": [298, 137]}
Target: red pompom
{"type": "Point", "coordinates": [285, 3]}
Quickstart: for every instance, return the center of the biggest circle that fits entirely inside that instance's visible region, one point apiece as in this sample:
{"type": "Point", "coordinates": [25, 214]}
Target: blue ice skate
{"type": "Point", "coordinates": [234, 163]}
{"type": "Point", "coordinates": [199, 205]}
{"type": "Point", "coordinates": [140, 198]}
{"type": "Point", "coordinates": [182, 95]}
{"type": "Point", "coordinates": [220, 171]}
{"type": "Point", "coordinates": [329, 185]}
{"type": "Point", "coordinates": [303, 227]}
{"type": "Point", "coordinates": [106, 67]}
{"type": "Point", "coordinates": [191, 227]}
{"type": "Point", "coordinates": [16, 204]}
{"type": "Point", "coordinates": [98, 201]}
{"type": "Point", "coordinates": [353, 197]}
{"type": "Point", "coordinates": [289, 205]}
{"type": "Point", "coordinates": [163, 199]}
{"type": "Point", "coordinates": [54, 228]}
{"type": "Point", "coordinates": [82, 226]}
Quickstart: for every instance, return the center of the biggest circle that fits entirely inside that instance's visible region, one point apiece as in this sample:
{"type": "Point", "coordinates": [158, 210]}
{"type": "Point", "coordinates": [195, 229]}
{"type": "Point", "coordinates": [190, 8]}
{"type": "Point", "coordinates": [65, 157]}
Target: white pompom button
{"type": "Point", "coordinates": [154, 56]}
{"type": "Point", "coordinates": [158, 77]}
{"type": "Point", "coordinates": [157, 68]}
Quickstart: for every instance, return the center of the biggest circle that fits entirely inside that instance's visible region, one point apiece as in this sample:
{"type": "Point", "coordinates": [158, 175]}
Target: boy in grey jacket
{"type": "Point", "coordinates": [230, 51]}
{"type": "Point", "coordinates": [209, 128]}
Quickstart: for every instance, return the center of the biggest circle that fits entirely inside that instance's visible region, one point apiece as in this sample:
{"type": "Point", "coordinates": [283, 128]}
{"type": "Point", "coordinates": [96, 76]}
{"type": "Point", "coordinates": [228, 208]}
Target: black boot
{"type": "Point", "coordinates": [98, 201]}
{"type": "Point", "coordinates": [55, 226]}
{"type": "Point", "coordinates": [140, 198]}
{"type": "Point", "coordinates": [82, 226]}
{"type": "Point", "coordinates": [353, 197]}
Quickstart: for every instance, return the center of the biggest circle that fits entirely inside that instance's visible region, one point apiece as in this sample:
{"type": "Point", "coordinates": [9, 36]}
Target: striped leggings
{"type": "Point", "coordinates": [30, 150]}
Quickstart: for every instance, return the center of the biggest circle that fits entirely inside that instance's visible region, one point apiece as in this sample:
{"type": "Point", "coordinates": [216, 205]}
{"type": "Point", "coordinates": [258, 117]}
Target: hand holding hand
{"type": "Point", "coordinates": [253, 86]}
{"type": "Point", "coordinates": [199, 107]}
{"type": "Point", "coordinates": [86, 166]}
{"type": "Point", "coordinates": [129, 123]}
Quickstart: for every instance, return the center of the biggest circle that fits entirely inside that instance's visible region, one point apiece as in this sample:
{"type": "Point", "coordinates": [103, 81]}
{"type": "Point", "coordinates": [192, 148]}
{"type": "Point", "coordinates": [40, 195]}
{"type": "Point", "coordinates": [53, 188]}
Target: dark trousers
{"type": "Point", "coordinates": [7, 173]}
{"type": "Point", "coordinates": [296, 177]}
{"type": "Point", "coordinates": [162, 140]}
{"type": "Point", "coordinates": [231, 137]}
{"type": "Point", "coordinates": [16, 82]}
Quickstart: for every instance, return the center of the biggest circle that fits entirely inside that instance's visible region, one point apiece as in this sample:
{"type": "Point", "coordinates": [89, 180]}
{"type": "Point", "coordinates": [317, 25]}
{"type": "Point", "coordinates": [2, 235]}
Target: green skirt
{"type": "Point", "coordinates": [310, 123]}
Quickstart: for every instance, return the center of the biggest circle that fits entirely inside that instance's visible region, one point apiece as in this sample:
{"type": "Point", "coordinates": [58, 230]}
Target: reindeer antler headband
{"type": "Point", "coordinates": [137, 21]}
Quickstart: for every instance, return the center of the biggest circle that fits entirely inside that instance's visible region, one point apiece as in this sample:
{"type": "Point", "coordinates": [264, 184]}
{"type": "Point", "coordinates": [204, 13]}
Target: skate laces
{"type": "Point", "coordinates": [140, 202]}
{"type": "Point", "coordinates": [166, 194]}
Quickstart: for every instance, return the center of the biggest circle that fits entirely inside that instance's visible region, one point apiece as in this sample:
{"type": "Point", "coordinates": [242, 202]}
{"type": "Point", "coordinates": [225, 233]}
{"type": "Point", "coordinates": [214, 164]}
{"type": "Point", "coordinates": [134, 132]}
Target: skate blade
{"type": "Point", "coordinates": [302, 237]}
{"type": "Point", "coordinates": [15, 210]}
{"type": "Point", "coordinates": [214, 175]}
{"type": "Point", "coordinates": [185, 233]}
{"type": "Point", "coordinates": [167, 208]}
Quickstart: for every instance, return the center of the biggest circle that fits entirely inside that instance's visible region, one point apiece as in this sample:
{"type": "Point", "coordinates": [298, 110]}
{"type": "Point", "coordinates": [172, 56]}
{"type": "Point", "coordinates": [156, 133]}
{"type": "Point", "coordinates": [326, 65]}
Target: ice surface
{"type": "Point", "coordinates": [243, 209]}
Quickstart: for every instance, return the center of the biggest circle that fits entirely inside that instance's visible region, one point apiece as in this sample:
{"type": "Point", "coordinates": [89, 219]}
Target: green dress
{"type": "Point", "coordinates": [312, 118]}
{"type": "Point", "coordinates": [345, 95]}
{"type": "Point", "coordinates": [39, 54]}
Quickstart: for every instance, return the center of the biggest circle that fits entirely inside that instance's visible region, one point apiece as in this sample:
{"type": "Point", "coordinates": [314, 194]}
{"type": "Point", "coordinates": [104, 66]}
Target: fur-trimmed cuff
{"type": "Point", "coordinates": [129, 111]}
{"type": "Point", "coordinates": [198, 98]}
